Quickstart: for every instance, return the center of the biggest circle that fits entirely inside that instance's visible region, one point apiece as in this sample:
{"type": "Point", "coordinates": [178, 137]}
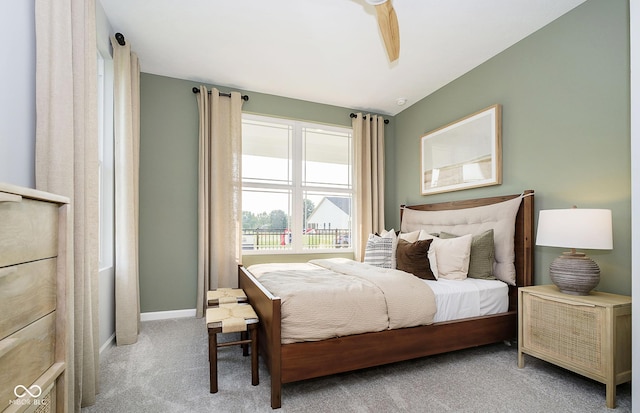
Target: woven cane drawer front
{"type": "Point", "coordinates": [565, 331]}
{"type": "Point", "coordinates": [45, 403]}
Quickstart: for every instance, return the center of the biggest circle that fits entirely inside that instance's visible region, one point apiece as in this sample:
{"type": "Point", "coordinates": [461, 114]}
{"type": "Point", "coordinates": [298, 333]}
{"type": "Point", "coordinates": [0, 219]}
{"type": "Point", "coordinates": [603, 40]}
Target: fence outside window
{"type": "Point", "coordinates": [281, 239]}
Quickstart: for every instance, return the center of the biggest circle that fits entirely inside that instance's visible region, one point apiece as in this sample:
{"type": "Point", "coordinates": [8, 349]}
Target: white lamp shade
{"type": "Point", "coordinates": [575, 228]}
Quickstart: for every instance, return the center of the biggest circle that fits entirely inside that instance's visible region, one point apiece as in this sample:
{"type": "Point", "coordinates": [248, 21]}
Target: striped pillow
{"type": "Point", "coordinates": [380, 251]}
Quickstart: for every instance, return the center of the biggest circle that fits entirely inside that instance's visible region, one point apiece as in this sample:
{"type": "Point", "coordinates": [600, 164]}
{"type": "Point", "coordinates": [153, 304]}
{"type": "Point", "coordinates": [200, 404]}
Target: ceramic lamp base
{"type": "Point", "coordinates": [574, 273]}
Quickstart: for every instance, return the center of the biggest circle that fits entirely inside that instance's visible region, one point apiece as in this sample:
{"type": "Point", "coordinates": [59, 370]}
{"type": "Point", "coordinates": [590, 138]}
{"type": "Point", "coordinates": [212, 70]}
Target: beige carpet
{"type": "Point", "coordinates": [167, 371]}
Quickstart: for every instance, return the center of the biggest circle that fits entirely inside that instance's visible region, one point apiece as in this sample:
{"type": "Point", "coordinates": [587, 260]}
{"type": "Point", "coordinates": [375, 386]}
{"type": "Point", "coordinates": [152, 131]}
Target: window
{"type": "Point", "coordinates": [297, 186]}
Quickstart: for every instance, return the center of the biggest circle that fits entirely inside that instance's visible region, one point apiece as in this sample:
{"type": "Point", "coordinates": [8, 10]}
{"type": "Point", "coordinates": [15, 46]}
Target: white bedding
{"type": "Point", "coordinates": [471, 297]}
{"type": "Point", "coordinates": [302, 319]}
{"type": "Point", "coordinates": [338, 297]}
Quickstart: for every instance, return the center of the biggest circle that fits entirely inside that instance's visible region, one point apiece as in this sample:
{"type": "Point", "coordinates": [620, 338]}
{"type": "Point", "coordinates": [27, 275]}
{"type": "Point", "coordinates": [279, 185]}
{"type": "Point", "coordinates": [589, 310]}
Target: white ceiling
{"type": "Point", "coordinates": [326, 51]}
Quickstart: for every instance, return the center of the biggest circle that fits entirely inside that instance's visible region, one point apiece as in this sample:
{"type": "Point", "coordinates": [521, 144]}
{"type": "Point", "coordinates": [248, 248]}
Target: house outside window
{"type": "Point", "coordinates": [297, 186]}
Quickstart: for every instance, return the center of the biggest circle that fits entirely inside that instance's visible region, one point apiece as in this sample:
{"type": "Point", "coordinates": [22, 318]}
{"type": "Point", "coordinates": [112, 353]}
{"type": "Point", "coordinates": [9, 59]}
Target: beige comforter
{"type": "Point", "coordinates": [336, 297]}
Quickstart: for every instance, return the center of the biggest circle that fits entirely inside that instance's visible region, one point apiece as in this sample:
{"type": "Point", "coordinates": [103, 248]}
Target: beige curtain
{"type": "Point", "coordinates": [67, 163]}
{"type": "Point", "coordinates": [219, 192]}
{"type": "Point", "coordinates": [126, 116]}
{"type": "Point", "coordinates": [368, 134]}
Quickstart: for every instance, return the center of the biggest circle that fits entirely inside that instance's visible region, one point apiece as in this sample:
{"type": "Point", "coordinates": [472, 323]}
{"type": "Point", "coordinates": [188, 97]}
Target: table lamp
{"type": "Point", "coordinates": [573, 272]}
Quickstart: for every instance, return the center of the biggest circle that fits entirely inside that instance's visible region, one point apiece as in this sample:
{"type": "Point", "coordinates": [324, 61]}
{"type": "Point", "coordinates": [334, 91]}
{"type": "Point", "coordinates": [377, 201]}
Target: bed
{"type": "Point", "coordinates": [298, 361]}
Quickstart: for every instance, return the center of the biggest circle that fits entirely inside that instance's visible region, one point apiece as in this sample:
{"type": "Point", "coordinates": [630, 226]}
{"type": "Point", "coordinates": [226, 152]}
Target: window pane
{"type": "Point", "coordinates": [266, 216]}
{"type": "Point", "coordinates": [266, 152]}
{"type": "Point", "coordinates": [326, 158]}
{"type": "Point", "coordinates": [327, 220]}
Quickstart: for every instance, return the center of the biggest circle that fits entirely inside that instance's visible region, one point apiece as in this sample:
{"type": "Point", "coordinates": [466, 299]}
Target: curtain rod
{"type": "Point", "coordinates": [120, 39]}
{"type": "Point", "coordinates": [353, 115]}
{"type": "Point", "coordinates": [244, 97]}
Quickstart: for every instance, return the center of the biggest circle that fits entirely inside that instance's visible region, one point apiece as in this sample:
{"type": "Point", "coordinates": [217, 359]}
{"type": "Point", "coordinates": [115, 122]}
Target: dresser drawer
{"type": "Point", "coordinates": [27, 292]}
{"type": "Point", "coordinates": [28, 231]}
{"type": "Point", "coordinates": [25, 356]}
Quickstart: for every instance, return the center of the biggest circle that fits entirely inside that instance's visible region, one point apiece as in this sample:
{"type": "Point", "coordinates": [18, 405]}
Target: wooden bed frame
{"type": "Point", "coordinates": [299, 361]}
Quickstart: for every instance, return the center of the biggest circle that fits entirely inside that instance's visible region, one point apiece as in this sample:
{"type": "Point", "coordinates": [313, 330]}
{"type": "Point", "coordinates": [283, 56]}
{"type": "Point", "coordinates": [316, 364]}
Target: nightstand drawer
{"type": "Point", "coordinates": [571, 332]}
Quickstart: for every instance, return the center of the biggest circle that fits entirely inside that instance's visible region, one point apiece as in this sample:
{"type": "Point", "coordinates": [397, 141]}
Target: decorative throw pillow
{"type": "Point", "coordinates": [481, 256]}
{"type": "Point", "coordinates": [380, 250]}
{"type": "Point", "coordinates": [451, 256]}
{"type": "Point", "coordinates": [409, 236]}
{"type": "Point", "coordinates": [412, 258]}
{"type": "Point", "coordinates": [393, 234]}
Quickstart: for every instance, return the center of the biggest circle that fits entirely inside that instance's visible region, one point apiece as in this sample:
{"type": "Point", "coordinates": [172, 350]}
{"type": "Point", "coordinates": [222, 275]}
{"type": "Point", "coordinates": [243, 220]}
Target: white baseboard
{"type": "Point", "coordinates": [157, 315]}
{"type": "Point", "coordinates": [110, 341]}
{"type": "Point", "coordinates": [165, 315]}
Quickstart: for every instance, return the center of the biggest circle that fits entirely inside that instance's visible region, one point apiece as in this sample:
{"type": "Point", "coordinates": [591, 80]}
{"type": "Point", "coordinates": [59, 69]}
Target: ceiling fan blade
{"type": "Point", "coordinates": [388, 23]}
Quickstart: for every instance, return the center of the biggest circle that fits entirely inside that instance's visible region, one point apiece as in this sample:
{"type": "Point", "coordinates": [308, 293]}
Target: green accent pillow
{"type": "Point", "coordinates": [482, 254]}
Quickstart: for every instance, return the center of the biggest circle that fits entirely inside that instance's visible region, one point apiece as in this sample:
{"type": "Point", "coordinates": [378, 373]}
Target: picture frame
{"type": "Point", "coordinates": [466, 153]}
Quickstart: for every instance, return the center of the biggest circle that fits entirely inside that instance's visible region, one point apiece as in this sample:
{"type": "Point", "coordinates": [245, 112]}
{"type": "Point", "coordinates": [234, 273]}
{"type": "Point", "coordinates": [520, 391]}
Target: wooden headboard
{"type": "Point", "coordinates": [523, 239]}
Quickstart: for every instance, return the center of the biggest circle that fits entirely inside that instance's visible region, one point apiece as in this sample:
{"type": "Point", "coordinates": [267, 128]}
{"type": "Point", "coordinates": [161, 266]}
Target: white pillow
{"type": "Point", "coordinates": [433, 261]}
{"type": "Point", "coordinates": [451, 256]}
{"type": "Point", "coordinates": [409, 236]}
{"type": "Point", "coordinates": [381, 250]}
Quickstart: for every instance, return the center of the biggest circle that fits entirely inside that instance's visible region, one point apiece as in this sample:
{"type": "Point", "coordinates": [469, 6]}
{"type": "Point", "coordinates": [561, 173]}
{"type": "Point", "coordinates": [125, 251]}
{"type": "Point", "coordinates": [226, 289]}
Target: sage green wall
{"type": "Point", "coordinates": [168, 194]}
{"type": "Point", "coordinates": [169, 183]}
{"type": "Point", "coordinates": [565, 97]}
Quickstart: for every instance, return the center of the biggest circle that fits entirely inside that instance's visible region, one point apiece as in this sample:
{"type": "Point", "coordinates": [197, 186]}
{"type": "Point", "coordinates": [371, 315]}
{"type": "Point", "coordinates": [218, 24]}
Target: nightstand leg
{"type": "Point", "coordinates": [611, 395]}
{"type": "Point", "coordinates": [520, 359]}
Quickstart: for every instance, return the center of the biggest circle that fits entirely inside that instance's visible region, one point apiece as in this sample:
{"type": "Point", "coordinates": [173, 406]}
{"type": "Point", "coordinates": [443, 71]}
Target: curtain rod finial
{"type": "Point", "coordinates": [120, 39]}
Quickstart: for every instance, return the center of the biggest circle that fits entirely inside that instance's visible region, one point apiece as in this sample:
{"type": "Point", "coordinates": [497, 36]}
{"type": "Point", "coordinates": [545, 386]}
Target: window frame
{"type": "Point", "coordinates": [298, 189]}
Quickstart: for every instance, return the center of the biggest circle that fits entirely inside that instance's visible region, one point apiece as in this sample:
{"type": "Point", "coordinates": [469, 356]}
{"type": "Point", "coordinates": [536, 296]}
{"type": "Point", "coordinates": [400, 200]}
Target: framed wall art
{"type": "Point", "coordinates": [464, 154]}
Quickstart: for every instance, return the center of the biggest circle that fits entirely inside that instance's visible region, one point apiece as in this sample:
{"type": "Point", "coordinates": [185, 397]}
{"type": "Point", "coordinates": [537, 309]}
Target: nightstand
{"type": "Point", "coordinates": [589, 335]}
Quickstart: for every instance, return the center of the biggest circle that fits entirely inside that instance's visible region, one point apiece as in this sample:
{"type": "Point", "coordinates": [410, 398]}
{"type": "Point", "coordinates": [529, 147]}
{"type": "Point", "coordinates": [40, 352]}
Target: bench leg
{"type": "Point", "coordinates": [213, 362]}
{"type": "Point", "coordinates": [255, 380]}
{"type": "Point", "coordinates": [245, 348]}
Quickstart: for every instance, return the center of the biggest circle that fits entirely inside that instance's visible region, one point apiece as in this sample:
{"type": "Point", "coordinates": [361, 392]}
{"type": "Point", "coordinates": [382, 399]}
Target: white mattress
{"type": "Point", "coordinates": [456, 299]}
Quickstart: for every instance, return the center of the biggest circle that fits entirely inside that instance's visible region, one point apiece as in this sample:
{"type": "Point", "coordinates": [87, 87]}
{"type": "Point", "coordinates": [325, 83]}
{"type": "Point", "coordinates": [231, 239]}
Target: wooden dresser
{"type": "Point", "coordinates": [590, 334]}
{"type": "Point", "coordinates": [36, 339]}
